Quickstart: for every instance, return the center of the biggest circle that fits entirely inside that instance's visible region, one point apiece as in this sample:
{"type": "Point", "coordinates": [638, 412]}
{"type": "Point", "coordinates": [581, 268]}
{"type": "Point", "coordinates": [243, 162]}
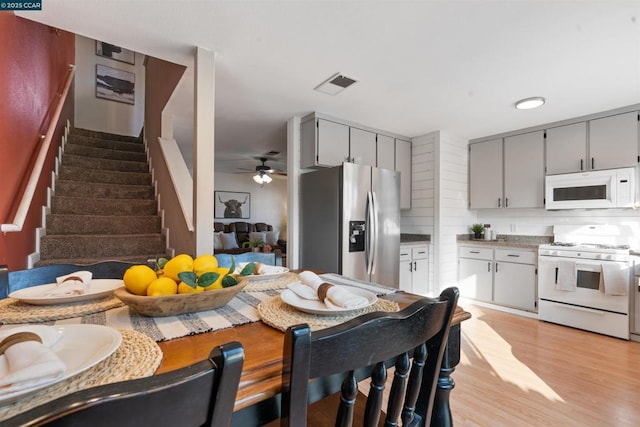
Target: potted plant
{"type": "Point", "coordinates": [477, 230]}
{"type": "Point", "coordinates": [254, 244]}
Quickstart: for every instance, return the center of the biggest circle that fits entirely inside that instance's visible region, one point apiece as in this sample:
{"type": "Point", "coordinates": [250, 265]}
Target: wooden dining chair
{"type": "Point", "coordinates": [337, 358]}
{"type": "Point", "coordinates": [202, 394]}
{"type": "Point", "coordinates": [11, 281]}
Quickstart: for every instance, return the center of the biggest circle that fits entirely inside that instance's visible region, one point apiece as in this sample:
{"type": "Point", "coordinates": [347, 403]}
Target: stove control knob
{"type": "Point", "coordinates": [607, 257]}
{"type": "Point", "coordinates": [598, 256]}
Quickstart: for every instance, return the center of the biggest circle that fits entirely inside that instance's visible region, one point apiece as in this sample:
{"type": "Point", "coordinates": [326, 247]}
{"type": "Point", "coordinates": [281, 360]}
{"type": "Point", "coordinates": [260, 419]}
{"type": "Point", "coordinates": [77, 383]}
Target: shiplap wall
{"type": "Point", "coordinates": [452, 216]}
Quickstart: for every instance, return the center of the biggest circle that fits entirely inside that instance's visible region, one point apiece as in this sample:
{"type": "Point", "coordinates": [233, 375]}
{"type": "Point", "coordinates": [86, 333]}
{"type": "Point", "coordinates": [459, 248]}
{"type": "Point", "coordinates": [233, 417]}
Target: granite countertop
{"type": "Point", "coordinates": [507, 240]}
{"type": "Point", "coordinates": [407, 238]}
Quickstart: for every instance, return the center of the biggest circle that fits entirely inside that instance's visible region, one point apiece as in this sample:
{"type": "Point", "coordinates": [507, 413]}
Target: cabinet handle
{"type": "Point", "coordinates": [489, 267]}
{"type": "Point", "coordinates": [496, 267]}
{"type": "Point", "coordinates": [498, 201]}
{"type": "Point", "coordinates": [410, 267]}
{"type": "Point", "coordinates": [581, 164]}
{"type": "Point", "coordinates": [474, 252]}
{"type": "Point", "coordinates": [592, 164]}
{"type": "Point", "coordinates": [506, 202]}
{"type": "Point", "coordinates": [513, 255]}
{"type": "Point", "coordinates": [415, 266]}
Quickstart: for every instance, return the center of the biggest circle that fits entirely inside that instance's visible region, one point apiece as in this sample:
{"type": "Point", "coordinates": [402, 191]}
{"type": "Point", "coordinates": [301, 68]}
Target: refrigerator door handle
{"type": "Point", "coordinates": [374, 233]}
{"type": "Point", "coordinates": [369, 236]}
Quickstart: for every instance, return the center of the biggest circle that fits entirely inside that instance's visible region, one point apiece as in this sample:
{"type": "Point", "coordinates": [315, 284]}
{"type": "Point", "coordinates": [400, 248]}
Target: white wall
{"type": "Point", "coordinates": [268, 203]}
{"type": "Point", "coordinates": [103, 114]}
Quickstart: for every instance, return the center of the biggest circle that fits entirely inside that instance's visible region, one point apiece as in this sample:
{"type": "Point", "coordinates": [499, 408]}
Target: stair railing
{"type": "Point", "coordinates": [36, 172]}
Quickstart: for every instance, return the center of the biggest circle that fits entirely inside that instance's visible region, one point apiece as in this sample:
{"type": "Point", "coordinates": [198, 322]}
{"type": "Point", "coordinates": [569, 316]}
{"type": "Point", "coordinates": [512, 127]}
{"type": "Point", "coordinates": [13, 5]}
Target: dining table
{"type": "Point", "coordinates": [258, 397]}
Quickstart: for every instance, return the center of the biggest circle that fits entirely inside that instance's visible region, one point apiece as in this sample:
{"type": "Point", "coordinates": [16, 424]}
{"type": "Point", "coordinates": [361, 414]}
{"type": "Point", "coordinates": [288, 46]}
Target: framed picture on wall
{"type": "Point", "coordinates": [232, 204]}
{"type": "Point", "coordinates": [115, 52]}
{"type": "Point", "coordinates": [116, 85]}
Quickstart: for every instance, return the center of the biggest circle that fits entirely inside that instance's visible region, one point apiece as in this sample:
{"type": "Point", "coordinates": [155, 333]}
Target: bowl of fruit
{"type": "Point", "coordinates": [181, 285]}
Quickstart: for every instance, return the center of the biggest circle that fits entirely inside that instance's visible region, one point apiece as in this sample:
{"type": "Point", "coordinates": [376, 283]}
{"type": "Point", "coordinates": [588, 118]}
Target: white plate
{"type": "Point", "coordinates": [37, 294]}
{"type": "Point", "coordinates": [80, 347]}
{"type": "Point", "coordinates": [259, 277]}
{"type": "Point", "coordinates": [317, 307]}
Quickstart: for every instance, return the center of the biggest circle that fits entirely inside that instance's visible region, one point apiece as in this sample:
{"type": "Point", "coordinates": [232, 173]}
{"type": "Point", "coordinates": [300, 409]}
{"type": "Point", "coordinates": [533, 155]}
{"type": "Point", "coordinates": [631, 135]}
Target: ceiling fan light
{"type": "Point", "coordinates": [529, 103]}
{"type": "Point", "coordinates": [266, 179]}
{"type": "Point", "coordinates": [257, 178]}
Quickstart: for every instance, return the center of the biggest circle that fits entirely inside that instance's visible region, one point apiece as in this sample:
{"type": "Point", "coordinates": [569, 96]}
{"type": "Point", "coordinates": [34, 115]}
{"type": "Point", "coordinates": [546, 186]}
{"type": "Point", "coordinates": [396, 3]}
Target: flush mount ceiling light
{"type": "Point", "coordinates": [335, 84]}
{"type": "Point", "coordinates": [529, 103]}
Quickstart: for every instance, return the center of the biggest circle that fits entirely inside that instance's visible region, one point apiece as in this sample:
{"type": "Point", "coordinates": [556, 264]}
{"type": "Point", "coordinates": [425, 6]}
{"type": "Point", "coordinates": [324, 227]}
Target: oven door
{"type": "Point", "coordinates": [588, 291]}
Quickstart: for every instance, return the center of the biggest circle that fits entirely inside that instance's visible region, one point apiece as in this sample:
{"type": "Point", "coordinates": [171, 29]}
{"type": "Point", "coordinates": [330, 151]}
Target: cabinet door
{"type": "Point", "coordinates": [524, 170]}
{"type": "Point", "coordinates": [386, 152]}
{"type": "Point", "coordinates": [332, 145]}
{"type": "Point", "coordinates": [567, 149]}
{"type": "Point", "coordinates": [420, 279]}
{"type": "Point", "coordinates": [485, 174]}
{"type": "Point", "coordinates": [515, 285]}
{"type": "Point", "coordinates": [406, 268]}
{"type": "Point", "coordinates": [613, 141]}
{"type": "Point", "coordinates": [403, 165]}
{"type": "Point", "coordinates": [362, 147]}
{"type": "Point", "coordinates": [475, 278]}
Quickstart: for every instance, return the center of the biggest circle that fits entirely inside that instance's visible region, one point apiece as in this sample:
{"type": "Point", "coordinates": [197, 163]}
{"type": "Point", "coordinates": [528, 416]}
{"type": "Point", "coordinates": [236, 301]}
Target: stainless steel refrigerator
{"type": "Point", "coordinates": [350, 222]}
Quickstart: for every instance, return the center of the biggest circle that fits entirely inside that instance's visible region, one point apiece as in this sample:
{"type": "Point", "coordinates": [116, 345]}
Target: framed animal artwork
{"type": "Point", "coordinates": [232, 204]}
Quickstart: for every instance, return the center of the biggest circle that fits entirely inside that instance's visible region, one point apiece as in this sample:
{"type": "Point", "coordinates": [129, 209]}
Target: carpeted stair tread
{"type": "Point", "coordinates": [108, 177]}
{"type": "Point", "coordinates": [103, 191]}
{"type": "Point", "coordinates": [136, 259]}
{"type": "Point", "coordinates": [104, 164]}
{"type": "Point", "coordinates": [104, 135]}
{"type": "Point", "coordinates": [107, 144]}
{"type": "Point", "coordinates": [70, 224]}
{"type": "Point", "coordinates": [91, 206]}
{"type": "Point", "coordinates": [104, 153]}
{"type": "Point", "coordinates": [99, 246]}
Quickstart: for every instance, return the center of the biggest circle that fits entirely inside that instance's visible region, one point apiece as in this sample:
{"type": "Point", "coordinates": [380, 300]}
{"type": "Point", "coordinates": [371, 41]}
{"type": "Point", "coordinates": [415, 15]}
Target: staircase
{"type": "Point", "coordinates": [104, 206]}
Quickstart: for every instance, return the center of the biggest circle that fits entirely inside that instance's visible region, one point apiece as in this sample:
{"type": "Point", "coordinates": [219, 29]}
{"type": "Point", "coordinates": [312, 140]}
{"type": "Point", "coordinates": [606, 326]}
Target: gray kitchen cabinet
{"type": "Point", "coordinates": [323, 143]}
{"type": "Point", "coordinates": [501, 276]}
{"type": "Point", "coordinates": [485, 174]}
{"type": "Point", "coordinates": [362, 147]}
{"type": "Point", "coordinates": [386, 152]}
{"type": "Point", "coordinates": [514, 279]}
{"type": "Point", "coordinates": [613, 141]}
{"type": "Point", "coordinates": [414, 269]}
{"type": "Point", "coordinates": [566, 149]}
{"type": "Point", "coordinates": [475, 273]}
{"type": "Point", "coordinates": [524, 170]}
{"type": "Point", "coordinates": [403, 165]}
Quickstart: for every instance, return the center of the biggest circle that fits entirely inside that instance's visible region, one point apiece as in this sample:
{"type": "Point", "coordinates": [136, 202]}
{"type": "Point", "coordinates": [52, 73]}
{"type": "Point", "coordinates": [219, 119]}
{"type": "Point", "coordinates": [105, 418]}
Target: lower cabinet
{"type": "Point", "coordinates": [500, 276]}
{"type": "Point", "coordinates": [414, 269]}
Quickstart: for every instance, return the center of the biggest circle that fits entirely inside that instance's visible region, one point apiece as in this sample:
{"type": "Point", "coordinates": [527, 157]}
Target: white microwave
{"type": "Point", "coordinates": [612, 188]}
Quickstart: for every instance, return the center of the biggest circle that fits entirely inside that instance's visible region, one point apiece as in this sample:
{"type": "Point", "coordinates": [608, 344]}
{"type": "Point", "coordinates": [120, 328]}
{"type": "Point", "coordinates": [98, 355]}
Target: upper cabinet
{"type": "Point", "coordinates": [509, 174]}
{"type": "Point", "coordinates": [524, 170]}
{"type": "Point", "coordinates": [613, 141]}
{"type": "Point", "coordinates": [403, 165]}
{"type": "Point", "coordinates": [485, 174]}
{"type": "Point", "coordinates": [567, 148]}
{"type": "Point", "coordinates": [606, 143]}
{"type": "Point", "coordinates": [327, 142]}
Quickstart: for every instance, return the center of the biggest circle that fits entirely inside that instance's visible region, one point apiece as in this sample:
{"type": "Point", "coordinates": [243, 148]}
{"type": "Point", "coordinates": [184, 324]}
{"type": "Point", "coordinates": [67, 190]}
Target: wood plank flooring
{"type": "Point", "coordinates": [517, 371]}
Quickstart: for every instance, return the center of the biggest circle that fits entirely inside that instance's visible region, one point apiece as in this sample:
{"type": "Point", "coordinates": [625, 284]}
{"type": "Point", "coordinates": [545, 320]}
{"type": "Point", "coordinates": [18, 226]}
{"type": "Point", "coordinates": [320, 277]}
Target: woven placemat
{"type": "Point", "coordinates": [14, 311]}
{"type": "Point", "coordinates": [138, 356]}
{"type": "Point", "coordinates": [280, 282]}
{"type": "Point", "coordinates": [278, 314]}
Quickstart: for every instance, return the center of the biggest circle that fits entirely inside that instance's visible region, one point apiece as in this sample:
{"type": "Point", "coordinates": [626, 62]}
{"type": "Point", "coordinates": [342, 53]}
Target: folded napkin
{"type": "Point", "coordinates": [614, 279]}
{"type": "Point", "coordinates": [71, 284]}
{"type": "Point", "coordinates": [262, 268]}
{"type": "Point", "coordinates": [333, 296]}
{"type": "Point", "coordinates": [567, 276]}
{"type": "Point", "coordinates": [28, 364]}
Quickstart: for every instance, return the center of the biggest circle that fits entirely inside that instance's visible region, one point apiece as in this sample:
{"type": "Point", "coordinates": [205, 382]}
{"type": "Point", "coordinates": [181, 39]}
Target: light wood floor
{"type": "Point", "coordinates": [516, 371]}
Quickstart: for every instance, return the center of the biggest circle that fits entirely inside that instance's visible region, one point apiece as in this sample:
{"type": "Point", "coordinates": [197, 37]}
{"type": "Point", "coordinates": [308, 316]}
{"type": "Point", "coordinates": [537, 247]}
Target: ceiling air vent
{"type": "Point", "coordinates": [335, 84]}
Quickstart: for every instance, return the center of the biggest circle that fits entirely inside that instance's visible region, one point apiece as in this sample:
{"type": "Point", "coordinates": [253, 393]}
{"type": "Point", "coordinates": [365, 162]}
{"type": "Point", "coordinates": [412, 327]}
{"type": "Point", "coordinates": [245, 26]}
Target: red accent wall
{"type": "Point", "coordinates": [33, 70]}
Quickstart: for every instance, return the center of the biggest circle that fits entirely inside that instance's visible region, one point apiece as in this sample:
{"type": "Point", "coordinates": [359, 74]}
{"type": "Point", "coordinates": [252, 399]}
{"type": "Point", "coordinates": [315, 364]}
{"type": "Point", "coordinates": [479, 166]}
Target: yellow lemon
{"type": "Point", "coordinates": [176, 265]}
{"type": "Point", "coordinates": [162, 286]}
{"type": "Point", "coordinates": [183, 288]}
{"type": "Point", "coordinates": [137, 278]}
{"type": "Point", "coordinates": [204, 264]}
{"type": "Point", "coordinates": [222, 271]}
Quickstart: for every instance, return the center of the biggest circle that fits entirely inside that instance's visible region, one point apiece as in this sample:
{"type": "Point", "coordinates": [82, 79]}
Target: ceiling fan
{"type": "Point", "coordinates": [262, 172]}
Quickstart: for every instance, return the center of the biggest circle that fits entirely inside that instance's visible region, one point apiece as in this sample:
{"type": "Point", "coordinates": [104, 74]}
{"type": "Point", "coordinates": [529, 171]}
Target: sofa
{"type": "Point", "coordinates": [227, 243]}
